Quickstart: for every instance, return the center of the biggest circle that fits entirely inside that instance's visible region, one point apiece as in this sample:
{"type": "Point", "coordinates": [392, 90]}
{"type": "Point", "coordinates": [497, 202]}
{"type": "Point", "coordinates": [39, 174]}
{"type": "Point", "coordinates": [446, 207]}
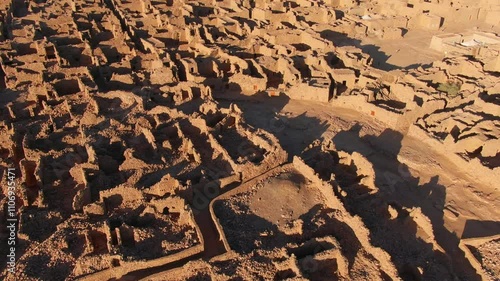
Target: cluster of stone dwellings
{"type": "Point", "coordinates": [392, 18]}
{"type": "Point", "coordinates": [115, 121]}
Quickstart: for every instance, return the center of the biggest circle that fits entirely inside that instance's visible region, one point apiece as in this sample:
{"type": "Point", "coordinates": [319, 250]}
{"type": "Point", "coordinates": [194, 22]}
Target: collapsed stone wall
{"type": "Point", "coordinates": [374, 256]}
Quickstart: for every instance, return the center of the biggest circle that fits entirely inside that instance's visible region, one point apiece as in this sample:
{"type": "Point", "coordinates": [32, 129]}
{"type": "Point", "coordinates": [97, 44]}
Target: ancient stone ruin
{"type": "Point", "coordinates": [249, 140]}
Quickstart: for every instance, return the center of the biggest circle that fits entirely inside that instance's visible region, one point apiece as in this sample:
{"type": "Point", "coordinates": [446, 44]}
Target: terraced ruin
{"type": "Point", "coordinates": [249, 140]}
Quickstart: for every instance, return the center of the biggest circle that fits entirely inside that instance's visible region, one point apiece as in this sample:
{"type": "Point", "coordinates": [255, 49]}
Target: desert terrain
{"type": "Point", "coordinates": [250, 140]}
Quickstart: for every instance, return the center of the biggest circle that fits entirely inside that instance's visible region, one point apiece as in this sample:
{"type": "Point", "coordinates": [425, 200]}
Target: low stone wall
{"type": "Point", "coordinates": [180, 272]}
{"type": "Point", "coordinates": [218, 225]}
